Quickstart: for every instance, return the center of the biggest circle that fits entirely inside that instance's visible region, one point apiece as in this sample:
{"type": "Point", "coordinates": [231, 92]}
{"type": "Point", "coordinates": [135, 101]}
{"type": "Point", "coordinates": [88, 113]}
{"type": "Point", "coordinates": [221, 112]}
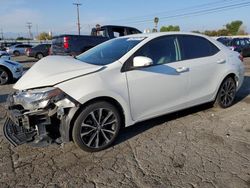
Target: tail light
{"type": "Point", "coordinates": [50, 51]}
{"type": "Point", "coordinates": [28, 50]}
{"type": "Point", "coordinates": [241, 57]}
{"type": "Point", "coordinates": [66, 42]}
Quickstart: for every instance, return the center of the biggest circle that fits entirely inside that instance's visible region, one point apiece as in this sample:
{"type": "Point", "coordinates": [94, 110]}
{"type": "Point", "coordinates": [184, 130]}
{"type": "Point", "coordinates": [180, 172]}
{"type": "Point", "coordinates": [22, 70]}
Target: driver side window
{"type": "Point", "coordinates": [161, 50]}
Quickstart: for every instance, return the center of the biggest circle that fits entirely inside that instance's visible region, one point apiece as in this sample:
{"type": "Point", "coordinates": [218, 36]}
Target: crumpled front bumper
{"type": "Point", "coordinates": [21, 126]}
{"type": "Point", "coordinates": [16, 134]}
{"type": "Point", "coordinates": [39, 127]}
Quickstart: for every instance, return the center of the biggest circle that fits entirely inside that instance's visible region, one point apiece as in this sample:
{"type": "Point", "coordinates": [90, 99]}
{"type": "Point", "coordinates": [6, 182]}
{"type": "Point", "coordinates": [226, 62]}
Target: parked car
{"type": "Point", "coordinates": [119, 83]}
{"type": "Point", "coordinates": [39, 51]}
{"type": "Point", "coordinates": [9, 70]}
{"type": "Point", "coordinates": [4, 45]}
{"type": "Point", "coordinates": [224, 40]}
{"type": "Point", "coordinates": [18, 49]}
{"type": "Point", "coordinates": [75, 44]}
{"type": "Point", "coordinates": [241, 45]}
{"type": "Point", "coordinates": [4, 54]}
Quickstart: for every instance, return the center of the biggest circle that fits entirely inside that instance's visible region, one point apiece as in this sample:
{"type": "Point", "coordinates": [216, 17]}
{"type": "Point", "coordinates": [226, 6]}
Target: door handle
{"type": "Point", "coordinates": [221, 61]}
{"type": "Point", "coordinates": [182, 69]}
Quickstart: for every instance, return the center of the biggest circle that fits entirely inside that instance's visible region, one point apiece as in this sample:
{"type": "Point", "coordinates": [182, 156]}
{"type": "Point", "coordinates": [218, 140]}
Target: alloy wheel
{"type": "Point", "coordinates": [4, 77]}
{"type": "Point", "coordinates": [99, 128]}
{"type": "Point", "coordinates": [227, 93]}
{"type": "Point", "coordinates": [40, 56]}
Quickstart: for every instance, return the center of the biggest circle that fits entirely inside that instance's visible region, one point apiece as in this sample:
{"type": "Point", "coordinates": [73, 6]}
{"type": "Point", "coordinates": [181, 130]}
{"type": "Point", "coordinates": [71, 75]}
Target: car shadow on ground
{"type": "Point", "coordinates": [244, 90]}
{"type": "Point", "coordinates": [138, 128]}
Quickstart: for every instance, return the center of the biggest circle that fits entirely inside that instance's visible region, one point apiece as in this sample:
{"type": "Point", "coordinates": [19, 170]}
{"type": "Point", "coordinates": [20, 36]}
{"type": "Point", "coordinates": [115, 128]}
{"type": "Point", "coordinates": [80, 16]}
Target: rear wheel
{"type": "Point", "coordinates": [39, 56]}
{"type": "Point", "coordinates": [5, 76]}
{"type": "Point", "coordinates": [226, 94]}
{"type": "Point", "coordinates": [96, 127]}
{"type": "Point", "coordinates": [16, 53]}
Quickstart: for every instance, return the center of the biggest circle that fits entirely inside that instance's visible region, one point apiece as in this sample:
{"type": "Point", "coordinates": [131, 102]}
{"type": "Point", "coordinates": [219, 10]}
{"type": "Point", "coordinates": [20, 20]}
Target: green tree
{"type": "Point", "coordinates": [44, 36]}
{"type": "Point", "coordinates": [22, 38]}
{"type": "Point", "coordinates": [170, 28]}
{"type": "Point", "coordinates": [196, 31]}
{"type": "Point", "coordinates": [234, 27]}
{"type": "Point", "coordinates": [222, 32]}
{"type": "Point", "coordinates": [211, 33]}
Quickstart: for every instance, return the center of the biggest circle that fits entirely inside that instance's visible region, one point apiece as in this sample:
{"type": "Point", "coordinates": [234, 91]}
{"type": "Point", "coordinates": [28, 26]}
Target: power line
{"type": "Point", "coordinates": [78, 18]}
{"type": "Point", "coordinates": [149, 16]}
{"type": "Point", "coordinates": [200, 12]}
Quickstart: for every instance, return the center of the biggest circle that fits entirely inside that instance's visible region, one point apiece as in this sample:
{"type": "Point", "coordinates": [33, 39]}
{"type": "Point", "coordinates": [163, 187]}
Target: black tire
{"type": "Point", "coordinates": [226, 93]}
{"type": "Point", "coordinates": [5, 76]}
{"type": "Point", "coordinates": [93, 132]}
{"type": "Point", "coordinates": [16, 53]}
{"type": "Point", "coordinates": [39, 55]}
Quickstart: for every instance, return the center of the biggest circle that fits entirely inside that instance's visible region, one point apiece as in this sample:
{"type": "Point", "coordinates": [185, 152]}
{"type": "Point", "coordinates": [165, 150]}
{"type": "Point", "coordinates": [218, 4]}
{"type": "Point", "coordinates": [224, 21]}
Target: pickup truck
{"type": "Point", "coordinates": [76, 44]}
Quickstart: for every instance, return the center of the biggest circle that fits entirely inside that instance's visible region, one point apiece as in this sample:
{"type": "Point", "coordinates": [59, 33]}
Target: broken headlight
{"type": "Point", "coordinates": [38, 98]}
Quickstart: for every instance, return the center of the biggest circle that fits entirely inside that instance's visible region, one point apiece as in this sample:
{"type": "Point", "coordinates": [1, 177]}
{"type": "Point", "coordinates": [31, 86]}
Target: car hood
{"type": "Point", "coordinates": [52, 70]}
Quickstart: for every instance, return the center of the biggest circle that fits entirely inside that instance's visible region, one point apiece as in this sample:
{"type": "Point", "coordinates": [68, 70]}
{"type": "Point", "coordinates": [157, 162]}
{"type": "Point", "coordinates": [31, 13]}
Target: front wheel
{"type": "Point", "coordinates": [5, 76]}
{"type": "Point", "coordinates": [226, 94]}
{"type": "Point", "coordinates": [96, 127]}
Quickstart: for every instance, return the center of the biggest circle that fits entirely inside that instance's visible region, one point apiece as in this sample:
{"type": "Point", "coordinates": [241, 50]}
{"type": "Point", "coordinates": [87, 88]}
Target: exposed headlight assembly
{"type": "Point", "coordinates": [38, 98]}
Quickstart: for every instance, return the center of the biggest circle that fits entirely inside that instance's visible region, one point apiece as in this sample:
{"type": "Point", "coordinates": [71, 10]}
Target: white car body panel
{"type": "Point", "coordinates": [153, 87]}
{"type": "Point", "coordinates": [52, 70]}
{"type": "Point", "coordinates": [139, 92]}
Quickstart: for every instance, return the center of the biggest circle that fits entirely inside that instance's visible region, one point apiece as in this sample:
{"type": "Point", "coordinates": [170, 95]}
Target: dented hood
{"type": "Point", "coordinates": [52, 70]}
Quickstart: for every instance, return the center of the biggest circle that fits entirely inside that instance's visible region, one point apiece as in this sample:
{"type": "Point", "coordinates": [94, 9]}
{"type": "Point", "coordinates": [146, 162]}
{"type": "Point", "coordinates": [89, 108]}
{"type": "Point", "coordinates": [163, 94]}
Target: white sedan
{"type": "Point", "coordinates": [118, 83]}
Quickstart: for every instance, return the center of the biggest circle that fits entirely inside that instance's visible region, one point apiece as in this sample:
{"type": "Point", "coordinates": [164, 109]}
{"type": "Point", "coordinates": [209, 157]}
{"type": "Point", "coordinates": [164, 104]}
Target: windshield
{"type": "Point", "coordinates": [110, 51]}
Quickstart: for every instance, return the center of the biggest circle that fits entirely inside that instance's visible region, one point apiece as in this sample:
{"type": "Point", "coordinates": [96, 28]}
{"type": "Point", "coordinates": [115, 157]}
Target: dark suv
{"type": "Point", "coordinates": [39, 51]}
{"type": "Point", "coordinates": [241, 45]}
{"type": "Point", "coordinates": [77, 44]}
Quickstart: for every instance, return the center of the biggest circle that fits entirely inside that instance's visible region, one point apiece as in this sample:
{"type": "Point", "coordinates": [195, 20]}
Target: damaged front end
{"type": "Point", "coordinates": [38, 116]}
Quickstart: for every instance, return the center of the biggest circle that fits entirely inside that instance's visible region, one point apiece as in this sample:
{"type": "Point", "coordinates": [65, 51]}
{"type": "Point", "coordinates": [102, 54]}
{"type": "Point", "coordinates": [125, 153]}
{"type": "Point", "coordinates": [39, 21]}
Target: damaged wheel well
{"type": "Point", "coordinates": [107, 99]}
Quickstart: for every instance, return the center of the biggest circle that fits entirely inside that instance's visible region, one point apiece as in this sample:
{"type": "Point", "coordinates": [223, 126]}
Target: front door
{"type": "Point", "coordinates": [161, 87]}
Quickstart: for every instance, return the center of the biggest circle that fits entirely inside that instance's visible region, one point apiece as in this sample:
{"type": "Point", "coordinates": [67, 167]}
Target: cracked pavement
{"type": "Point", "coordinates": [199, 147]}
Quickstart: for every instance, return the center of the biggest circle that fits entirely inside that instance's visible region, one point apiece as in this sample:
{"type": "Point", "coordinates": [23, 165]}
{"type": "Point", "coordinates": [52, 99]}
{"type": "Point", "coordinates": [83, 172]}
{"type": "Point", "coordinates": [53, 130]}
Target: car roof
{"type": "Point", "coordinates": [159, 34]}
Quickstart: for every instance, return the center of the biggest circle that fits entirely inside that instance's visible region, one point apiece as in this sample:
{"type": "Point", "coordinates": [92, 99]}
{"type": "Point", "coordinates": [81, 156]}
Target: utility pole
{"type": "Point", "coordinates": [29, 25]}
{"type": "Point", "coordinates": [1, 33]}
{"type": "Point", "coordinates": [78, 18]}
{"type": "Point", "coordinates": [156, 21]}
{"type": "Point", "coordinates": [37, 33]}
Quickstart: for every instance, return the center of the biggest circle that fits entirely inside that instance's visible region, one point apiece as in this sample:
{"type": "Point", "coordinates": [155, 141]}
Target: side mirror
{"type": "Point", "coordinates": [141, 61]}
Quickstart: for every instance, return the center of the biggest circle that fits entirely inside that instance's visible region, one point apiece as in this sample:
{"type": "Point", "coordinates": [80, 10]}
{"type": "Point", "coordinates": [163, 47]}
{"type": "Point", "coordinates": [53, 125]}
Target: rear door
{"type": "Point", "coordinates": [205, 62]}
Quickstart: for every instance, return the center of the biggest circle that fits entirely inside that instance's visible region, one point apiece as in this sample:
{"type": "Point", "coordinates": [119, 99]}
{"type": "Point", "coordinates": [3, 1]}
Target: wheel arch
{"type": "Point", "coordinates": [38, 54]}
{"type": "Point", "coordinates": [76, 112]}
{"type": "Point", "coordinates": [17, 52]}
{"type": "Point", "coordinates": [8, 70]}
{"type": "Point", "coordinates": [229, 74]}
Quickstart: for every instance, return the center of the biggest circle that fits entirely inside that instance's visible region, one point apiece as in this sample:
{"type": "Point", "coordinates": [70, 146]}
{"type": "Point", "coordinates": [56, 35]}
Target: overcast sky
{"type": "Point", "coordinates": [59, 16]}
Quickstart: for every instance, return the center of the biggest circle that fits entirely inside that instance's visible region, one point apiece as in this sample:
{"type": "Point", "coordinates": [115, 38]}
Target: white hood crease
{"type": "Point", "coordinates": [52, 70]}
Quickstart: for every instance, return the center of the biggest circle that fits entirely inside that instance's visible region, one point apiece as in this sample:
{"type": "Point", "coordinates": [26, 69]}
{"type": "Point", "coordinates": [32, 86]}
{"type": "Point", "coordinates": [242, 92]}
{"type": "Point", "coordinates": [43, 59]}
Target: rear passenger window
{"type": "Point", "coordinates": [196, 47]}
